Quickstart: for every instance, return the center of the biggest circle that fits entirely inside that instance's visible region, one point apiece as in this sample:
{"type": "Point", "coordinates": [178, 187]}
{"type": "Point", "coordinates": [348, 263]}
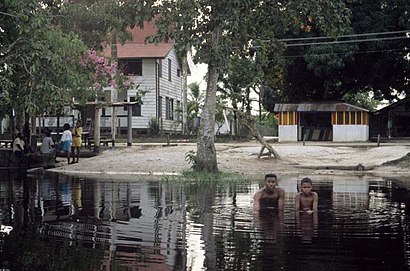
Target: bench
{"type": "Point", "coordinates": [103, 141]}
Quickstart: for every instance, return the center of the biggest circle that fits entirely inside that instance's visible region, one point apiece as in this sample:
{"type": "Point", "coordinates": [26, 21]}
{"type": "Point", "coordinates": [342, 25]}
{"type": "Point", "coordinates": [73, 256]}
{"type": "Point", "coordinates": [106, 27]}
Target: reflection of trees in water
{"type": "Point", "coordinates": [27, 250]}
{"type": "Point", "coordinates": [27, 247]}
{"type": "Point", "coordinates": [200, 200]}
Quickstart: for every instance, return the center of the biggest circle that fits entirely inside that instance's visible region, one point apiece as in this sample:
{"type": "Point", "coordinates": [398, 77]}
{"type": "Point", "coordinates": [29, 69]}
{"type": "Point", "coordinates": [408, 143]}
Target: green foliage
{"type": "Point", "coordinates": [153, 126]}
{"type": "Point", "coordinates": [43, 44]}
{"type": "Point", "coordinates": [40, 63]}
{"type": "Point", "coordinates": [362, 99]}
{"type": "Point", "coordinates": [214, 177]}
{"type": "Point", "coordinates": [98, 22]}
{"type": "Point", "coordinates": [328, 72]}
{"type": "Point", "coordinates": [195, 99]}
{"type": "Point", "coordinates": [190, 157]}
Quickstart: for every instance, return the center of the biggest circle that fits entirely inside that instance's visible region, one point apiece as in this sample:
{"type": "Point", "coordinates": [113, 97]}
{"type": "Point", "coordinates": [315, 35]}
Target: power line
{"type": "Point", "coordinates": [348, 36]}
{"type": "Point", "coordinates": [361, 52]}
{"type": "Point", "coordinates": [344, 41]}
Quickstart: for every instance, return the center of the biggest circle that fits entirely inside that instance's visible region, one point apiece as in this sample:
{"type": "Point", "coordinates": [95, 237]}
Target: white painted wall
{"type": "Point", "coordinates": [171, 89]}
{"type": "Point", "coordinates": [345, 133]}
{"type": "Point", "coordinates": [288, 133]}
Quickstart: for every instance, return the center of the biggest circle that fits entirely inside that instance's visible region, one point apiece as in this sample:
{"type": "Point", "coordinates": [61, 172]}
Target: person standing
{"type": "Point", "coordinates": [19, 145]}
{"type": "Point", "coordinates": [269, 197]}
{"type": "Point", "coordinates": [66, 139]}
{"type": "Point", "coordinates": [77, 141]}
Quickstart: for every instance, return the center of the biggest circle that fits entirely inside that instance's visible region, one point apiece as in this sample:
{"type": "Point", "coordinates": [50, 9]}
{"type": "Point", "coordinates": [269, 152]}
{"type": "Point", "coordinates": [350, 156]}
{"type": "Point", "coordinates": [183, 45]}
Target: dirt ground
{"type": "Point", "coordinates": [388, 159]}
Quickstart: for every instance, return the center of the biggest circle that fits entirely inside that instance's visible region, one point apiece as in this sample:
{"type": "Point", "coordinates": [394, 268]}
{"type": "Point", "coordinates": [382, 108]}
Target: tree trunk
{"type": "Point", "coordinates": [235, 120]}
{"type": "Point", "coordinates": [206, 153]}
{"type": "Point", "coordinates": [184, 94]}
{"type": "Point", "coordinates": [114, 95]}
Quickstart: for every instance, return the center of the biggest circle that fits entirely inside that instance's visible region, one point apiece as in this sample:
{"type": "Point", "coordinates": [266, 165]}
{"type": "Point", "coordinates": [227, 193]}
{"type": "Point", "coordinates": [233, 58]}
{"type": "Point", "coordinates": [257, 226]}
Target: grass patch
{"type": "Point", "coordinates": [208, 177]}
{"type": "Point", "coordinates": [200, 176]}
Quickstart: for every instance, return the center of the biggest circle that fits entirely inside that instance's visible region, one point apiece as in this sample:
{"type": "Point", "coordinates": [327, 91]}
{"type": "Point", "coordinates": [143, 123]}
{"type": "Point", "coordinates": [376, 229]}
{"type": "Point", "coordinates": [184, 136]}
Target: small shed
{"type": "Point", "coordinates": [322, 121]}
{"type": "Point", "coordinates": [392, 121]}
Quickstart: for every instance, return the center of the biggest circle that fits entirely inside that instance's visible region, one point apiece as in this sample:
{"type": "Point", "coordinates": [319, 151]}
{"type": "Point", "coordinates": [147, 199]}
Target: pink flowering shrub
{"type": "Point", "coordinates": [104, 72]}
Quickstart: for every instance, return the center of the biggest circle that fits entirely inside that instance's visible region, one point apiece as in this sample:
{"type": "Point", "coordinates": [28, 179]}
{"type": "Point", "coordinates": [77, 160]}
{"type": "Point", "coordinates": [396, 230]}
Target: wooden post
{"type": "Point", "coordinates": [129, 125]}
{"type": "Point", "coordinates": [97, 125]}
{"type": "Point", "coordinates": [378, 140]}
{"type": "Point", "coordinates": [304, 139]}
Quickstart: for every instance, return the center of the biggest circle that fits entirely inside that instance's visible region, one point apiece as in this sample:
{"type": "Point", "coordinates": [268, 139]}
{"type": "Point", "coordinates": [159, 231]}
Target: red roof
{"type": "Point", "coordinates": [137, 48]}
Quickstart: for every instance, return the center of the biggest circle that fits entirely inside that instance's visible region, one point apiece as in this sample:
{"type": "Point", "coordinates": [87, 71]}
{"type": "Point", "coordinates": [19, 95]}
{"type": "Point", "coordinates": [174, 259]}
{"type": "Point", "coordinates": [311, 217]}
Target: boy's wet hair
{"type": "Point", "coordinates": [306, 180]}
{"type": "Point", "coordinates": [271, 175]}
{"type": "Point", "coordinates": [66, 126]}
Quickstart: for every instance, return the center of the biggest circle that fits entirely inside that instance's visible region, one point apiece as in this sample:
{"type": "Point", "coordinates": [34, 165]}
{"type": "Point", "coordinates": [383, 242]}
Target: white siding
{"type": "Point", "coordinates": [171, 89]}
{"type": "Point", "coordinates": [147, 82]}
{"type": "Point", "coordinates": [288, 133]}
{"type": "Point", "coordinates": [345, 133]}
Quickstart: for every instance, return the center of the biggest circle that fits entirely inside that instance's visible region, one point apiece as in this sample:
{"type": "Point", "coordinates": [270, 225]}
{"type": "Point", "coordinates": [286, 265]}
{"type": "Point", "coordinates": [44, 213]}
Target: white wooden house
{"type": "Point", "coordinates": [156, 69]}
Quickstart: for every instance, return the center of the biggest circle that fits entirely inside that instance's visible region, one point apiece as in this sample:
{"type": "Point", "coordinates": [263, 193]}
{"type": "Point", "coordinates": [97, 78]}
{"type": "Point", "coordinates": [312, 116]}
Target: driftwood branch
{"type": "Point", "coordinates": [251, 125]}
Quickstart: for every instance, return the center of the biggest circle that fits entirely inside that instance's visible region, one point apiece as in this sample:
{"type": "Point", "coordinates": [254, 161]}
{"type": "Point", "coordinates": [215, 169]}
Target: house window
{"type": "Point", "coordinates": [160, 107]}
{"type": "Point", "coordinates": [169, 109]}
{"type": "Point", "coordinates": [178, 72]}
{"type": "Point", "coordinates": [136, 108]}
{"type": "Point", "coordinates": [131, 66]}
{"type": "Point", "coordinates": [169, 69]}
{"type": "Point", "coordinates": [159, 67]}
{"type": "Point", "coordinates": [178, 111]}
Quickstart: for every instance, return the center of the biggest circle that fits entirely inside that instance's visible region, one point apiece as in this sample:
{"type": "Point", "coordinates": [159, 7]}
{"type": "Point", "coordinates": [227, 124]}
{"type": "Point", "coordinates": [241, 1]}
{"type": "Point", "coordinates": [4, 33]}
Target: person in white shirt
{"type": "Point", "coordinates": [47, 146]}
{"type": "Point", "coordinates": [18, 145]}
{"type": "Point", "coordinates": [66, 139]}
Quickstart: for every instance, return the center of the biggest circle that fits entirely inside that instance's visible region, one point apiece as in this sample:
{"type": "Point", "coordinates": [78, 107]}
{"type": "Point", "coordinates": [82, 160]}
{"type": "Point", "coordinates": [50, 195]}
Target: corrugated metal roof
{"type": "Point", "coordinates": [317, 107]}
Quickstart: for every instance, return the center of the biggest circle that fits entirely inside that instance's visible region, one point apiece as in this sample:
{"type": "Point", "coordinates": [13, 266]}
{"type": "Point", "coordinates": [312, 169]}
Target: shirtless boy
{"type": "Point", "coordinates": [306, 201]}
{"type": "Point", "coordinates": [269, 196]}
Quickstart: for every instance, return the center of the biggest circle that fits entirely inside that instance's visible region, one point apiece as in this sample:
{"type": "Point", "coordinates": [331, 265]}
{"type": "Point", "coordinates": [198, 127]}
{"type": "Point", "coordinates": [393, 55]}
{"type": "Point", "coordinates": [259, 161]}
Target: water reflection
{"type": "Point", "coordinates": [65, 223]}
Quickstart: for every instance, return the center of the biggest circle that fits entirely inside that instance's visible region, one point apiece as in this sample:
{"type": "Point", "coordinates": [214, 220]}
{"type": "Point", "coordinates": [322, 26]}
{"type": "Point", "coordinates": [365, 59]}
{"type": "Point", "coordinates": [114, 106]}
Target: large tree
{"type": "Point", "coordinates": [371, 56]}
{"type": "Point", "coordinates": [44, 66]}
{"type": "Point", "coordinates": [219, 29]}
{"type": "Point", "coordinates": [40, 65]}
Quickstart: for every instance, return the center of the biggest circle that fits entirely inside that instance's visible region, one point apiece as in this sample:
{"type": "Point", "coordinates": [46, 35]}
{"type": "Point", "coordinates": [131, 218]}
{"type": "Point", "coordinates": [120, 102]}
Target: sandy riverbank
{"type": "Point", "coordinates": [387, 160]}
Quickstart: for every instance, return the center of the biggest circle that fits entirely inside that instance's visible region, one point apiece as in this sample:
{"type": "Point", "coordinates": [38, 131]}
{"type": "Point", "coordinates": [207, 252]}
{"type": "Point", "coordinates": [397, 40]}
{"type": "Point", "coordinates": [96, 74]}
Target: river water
{"type": "Point", "coordinates": [57, 222]}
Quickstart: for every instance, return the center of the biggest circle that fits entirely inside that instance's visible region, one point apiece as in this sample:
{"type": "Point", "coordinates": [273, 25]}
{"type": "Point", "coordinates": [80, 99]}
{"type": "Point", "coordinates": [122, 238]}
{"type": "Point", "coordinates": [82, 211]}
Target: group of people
{"type": "Point", "coordinates": [70, 143]}
{"type": "Point", "coordinates": [272, 196]}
